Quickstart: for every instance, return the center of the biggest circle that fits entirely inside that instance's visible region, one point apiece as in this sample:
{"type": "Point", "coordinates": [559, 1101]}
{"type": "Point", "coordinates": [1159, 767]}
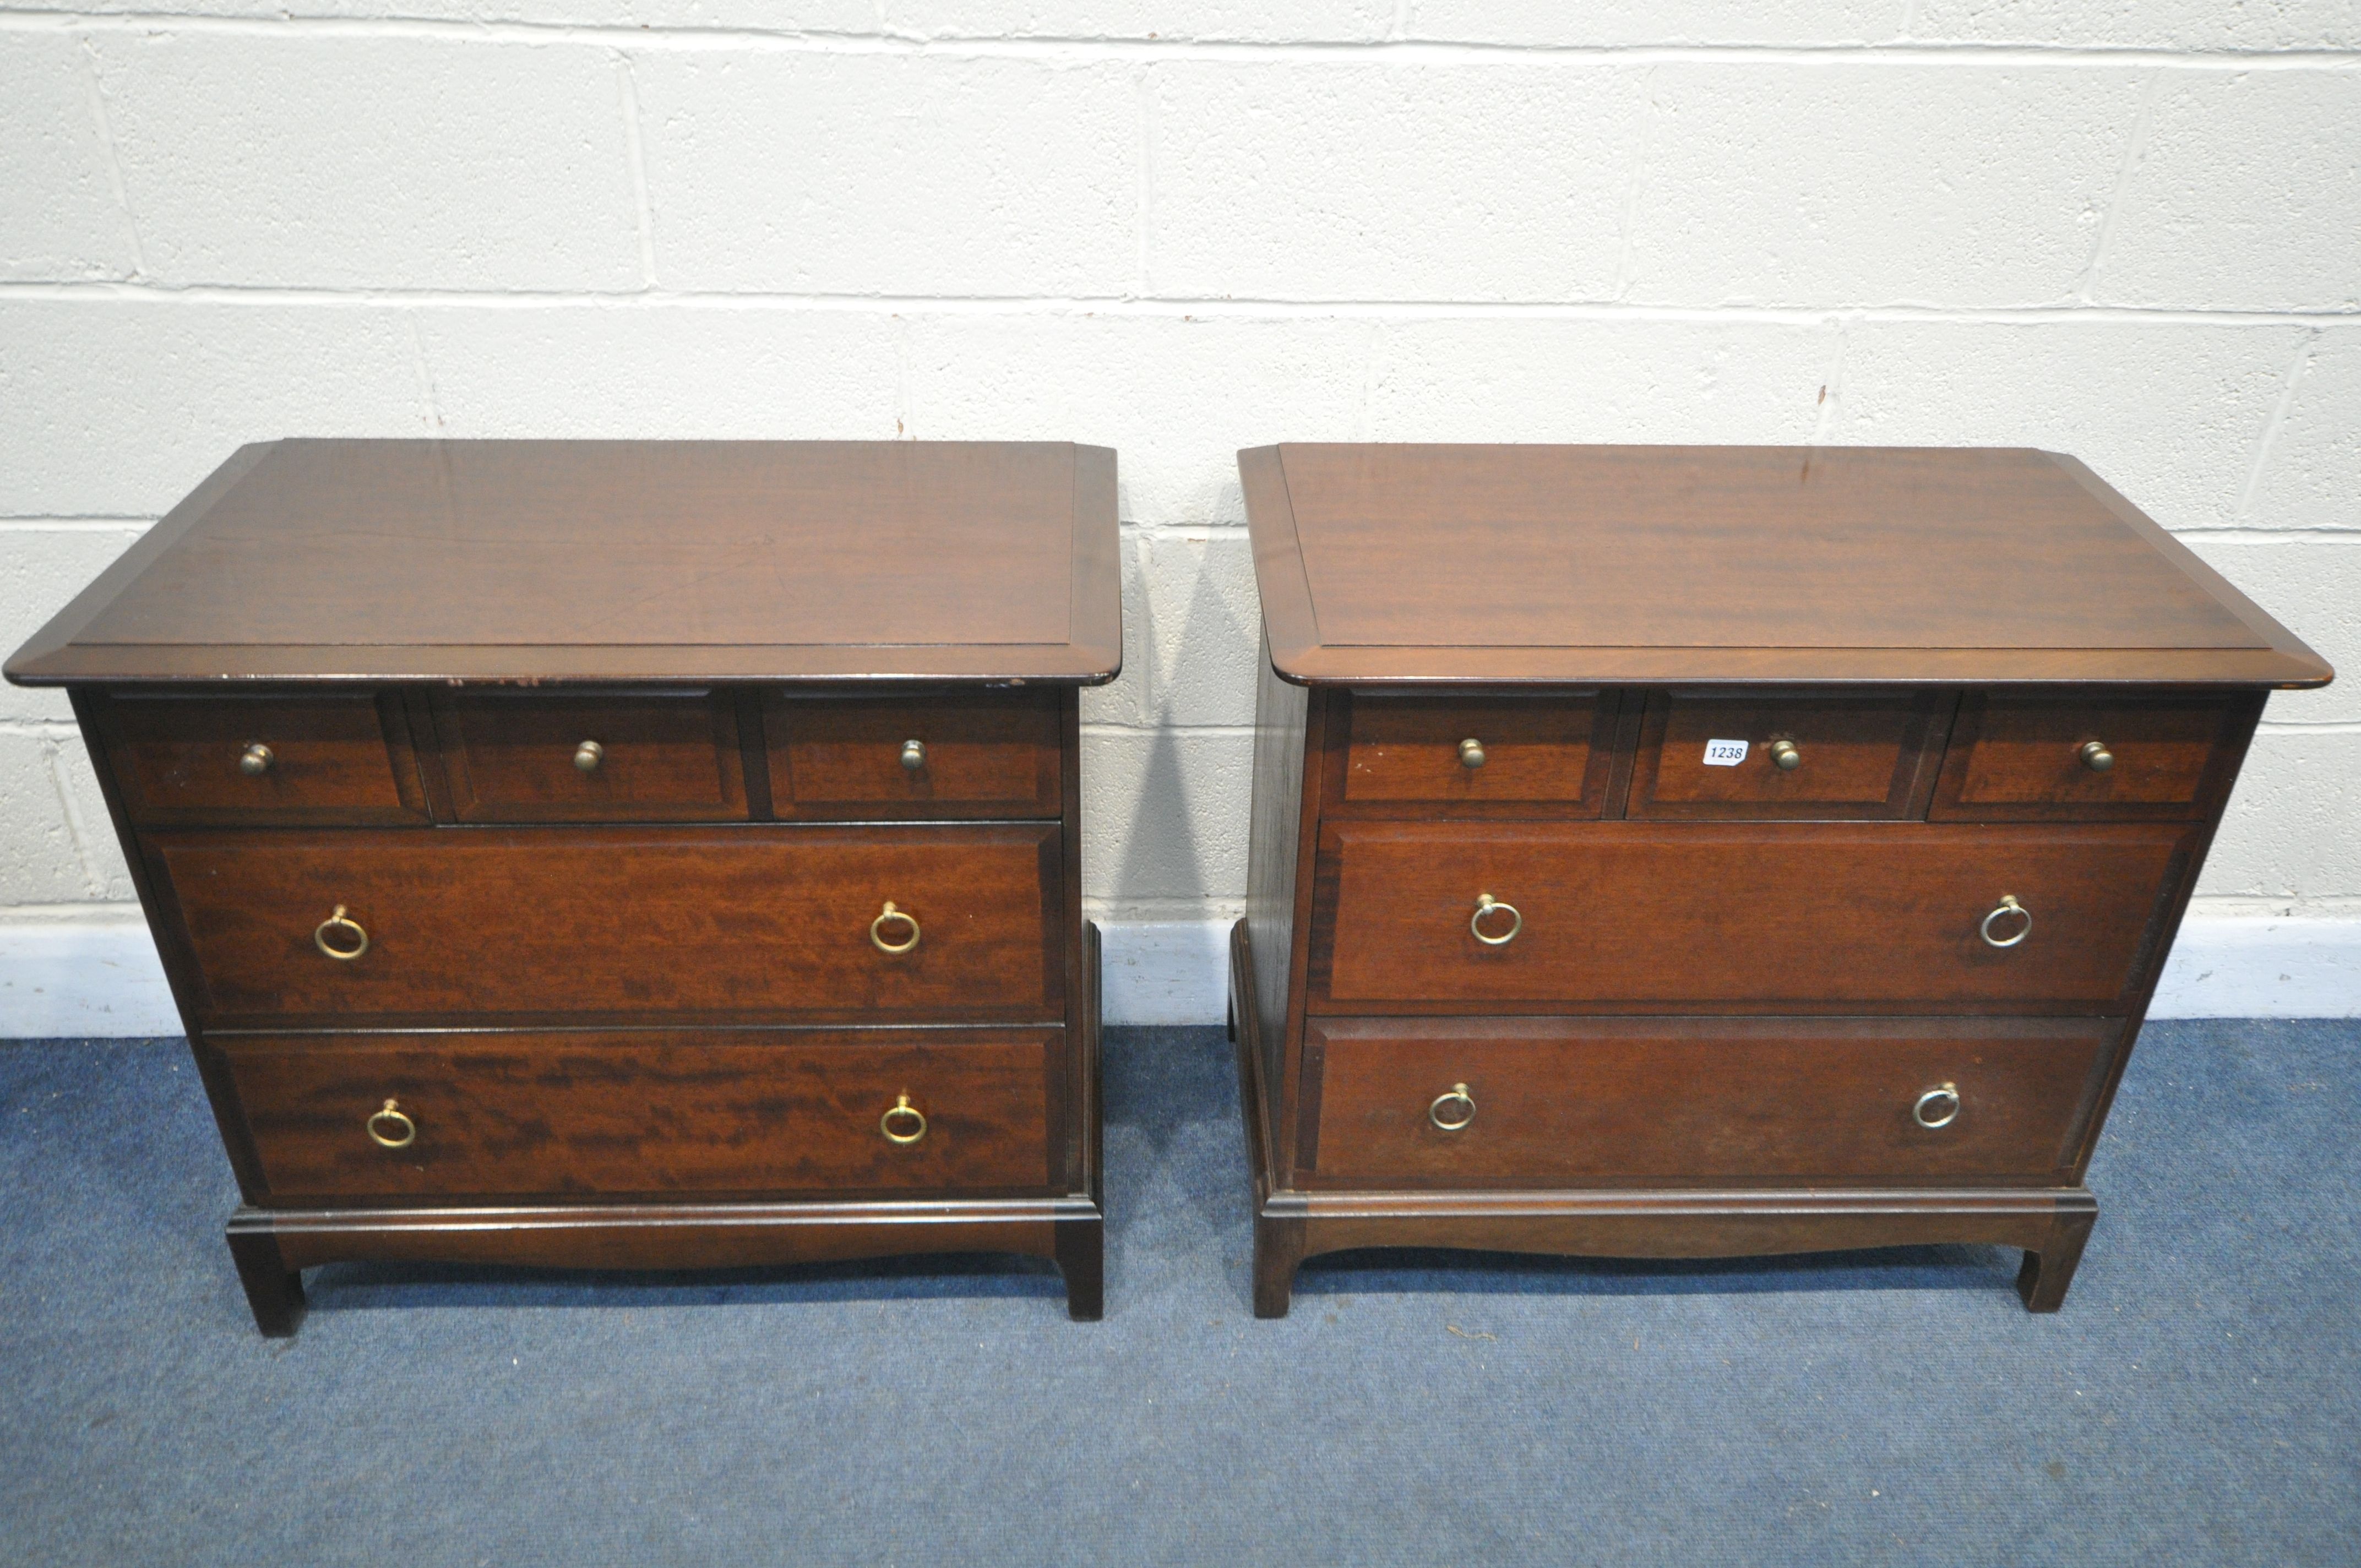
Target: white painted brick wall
{"type": "Point", "coordinates": [1327, 179]}
{"type": "Point", "coordinates": [889, 174]}
{"type": "Point", "coordinates": [1961, 185]}
{"type": "Point", "coordinates": [2130, 229]}
{"type": "Point", "coordinates": [341, 163]}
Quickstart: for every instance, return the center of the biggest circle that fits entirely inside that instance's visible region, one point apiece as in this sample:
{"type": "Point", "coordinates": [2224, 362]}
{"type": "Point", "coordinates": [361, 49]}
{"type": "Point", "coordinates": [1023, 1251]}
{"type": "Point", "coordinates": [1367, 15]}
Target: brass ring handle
{"type": "Point", "coordinates": [914, 754]}
{"type": "Point", "coordinates": [1471, 754]}
{"type": "Point", "coordinates": [588, 755]}
{"type": "Point", "coordinates": [1458, 1118]}
{"type": "Point", "coordinates": [391, 1115]}
{"type": "Point", "coordinates": [907, 1114]}
{"type": "Point", "coordinates": [877, 929]}
{"type": "Point", "coordinates": [2006, 907]}
{"type": "Point", "coordinates": [2095, 756]}
{"type": "Point", "coordinates": [1943, 1095]}
{"type": "Point", "coordinates": [1485, 905]}
{"type": "Point", "coordinates": [255, 760]}
{"type": "Point", "coordinates": [1784, 757]}
{"type": "Point", "coordinates": [340, 921]}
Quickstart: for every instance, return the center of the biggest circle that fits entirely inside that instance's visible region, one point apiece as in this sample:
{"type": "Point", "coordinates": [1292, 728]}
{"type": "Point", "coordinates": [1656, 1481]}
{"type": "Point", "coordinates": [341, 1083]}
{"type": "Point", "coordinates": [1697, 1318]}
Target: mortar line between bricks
{"type": "Point", "coordinates": [1111, 728]}
{"type": "Point", "coordinates": [73, 524]}
{"type": "Point", "coordinates": [2263, 533]}
{"type": "Point", "coordinates": [1184, 307]}
{"type": "Point", "coordinates": [2314, 727]}
{"type": "Point", "coordinates": [91, 911]}
{"type": "Point", "coordinates": [1075, 48]}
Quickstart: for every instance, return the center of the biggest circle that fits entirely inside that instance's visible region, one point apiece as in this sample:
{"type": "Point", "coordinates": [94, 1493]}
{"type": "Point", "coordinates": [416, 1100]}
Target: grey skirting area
{"type": "Point", "coordinates": [2199, 1399]}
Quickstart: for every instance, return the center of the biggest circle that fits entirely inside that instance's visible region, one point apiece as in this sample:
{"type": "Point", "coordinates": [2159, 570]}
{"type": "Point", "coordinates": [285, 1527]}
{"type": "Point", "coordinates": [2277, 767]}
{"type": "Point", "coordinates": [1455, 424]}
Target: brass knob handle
{"type": "Point", "coordinates": [1452, 1111]}
{"type": "Point", "coordinates": [2007, 906]}
{"type": "Point", "coordinates": [1486, 904]}
{"type": "Point", "coordinates": [1784, 757]}
{"type": "Point", "coordinates": [351, 940]}
{"type": "Point", "coordinates": [400, 1131]}
{"type": "Point", "coordinates": [1938, 1107]}
{"type": "Point", "coordinates": [914, 754]}
{"type": "Point", "coordinates": [255, 760]}
{"type": "Point", "coordinates": [588, 755]}
{"type": "Point", "coordinates": [1471, 754]}
{"type": "Point", "coordinates": [897, 918]}
{"type": "Point", "coordinates": [912, 1121]}
{"type": "Point", "coordinates": [2096, 757]}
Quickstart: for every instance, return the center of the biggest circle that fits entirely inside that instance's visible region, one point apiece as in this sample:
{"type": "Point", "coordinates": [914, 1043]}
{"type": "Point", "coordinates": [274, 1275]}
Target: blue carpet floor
{"type": "Point", "coordinates": [2198, 1401]}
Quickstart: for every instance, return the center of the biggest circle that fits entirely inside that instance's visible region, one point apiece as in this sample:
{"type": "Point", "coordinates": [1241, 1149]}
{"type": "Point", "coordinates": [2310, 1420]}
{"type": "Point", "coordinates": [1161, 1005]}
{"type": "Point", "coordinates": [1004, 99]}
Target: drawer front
{"type": "Point", "coordinates": [1771, 756]}
{"type": "Point", "coordinates": [942, 757]}
{"type": "Point", "coordinates": [471, 923]}
{"type": "Point", "coordinates": [721, 1112]}
{"type": "Point", "coordinates": [1556, 750]}
{"type": "Point", "coordinates": [1886, 916]}
{"type": "Point", "coordinates": [620, 757]}
{"type": "Point", "coordinates": [2043, 759]}
{"type": "Point", "coordinates": [1570, 1101]}
{"type": "Point", "coordinates": [342, 759]}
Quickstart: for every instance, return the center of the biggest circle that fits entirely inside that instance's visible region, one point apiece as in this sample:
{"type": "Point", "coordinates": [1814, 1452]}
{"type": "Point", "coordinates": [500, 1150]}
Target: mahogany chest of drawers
{"type": "Point", "coordinates": [620, 854]}
{"type": "Point", "coordinates": [1704, 851]}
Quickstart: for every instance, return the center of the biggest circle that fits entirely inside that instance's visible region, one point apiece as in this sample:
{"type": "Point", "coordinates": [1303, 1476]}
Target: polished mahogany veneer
{"type": "Point", "coordinates": [1696, 852]}
{"type": "Point", "coordinates": [620, 853]}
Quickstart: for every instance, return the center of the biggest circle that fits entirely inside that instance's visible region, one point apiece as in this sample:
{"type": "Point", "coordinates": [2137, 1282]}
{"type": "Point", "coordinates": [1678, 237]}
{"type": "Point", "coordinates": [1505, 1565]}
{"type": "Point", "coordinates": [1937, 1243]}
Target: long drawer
{"type": "Point", "coordinates": [482, 923]}
{"type": "Point", "coordinates": [1544, 1101]}
{"type": "Point", "coordinates": [646, 1113]}
{"type": "Point", "coordinates": [1905, 917]}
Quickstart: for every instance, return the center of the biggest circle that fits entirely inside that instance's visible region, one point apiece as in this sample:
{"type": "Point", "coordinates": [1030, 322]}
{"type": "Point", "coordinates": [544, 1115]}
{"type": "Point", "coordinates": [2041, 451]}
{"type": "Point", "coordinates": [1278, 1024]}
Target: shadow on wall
{"type": "Point", "coordinates": [1187, 834]}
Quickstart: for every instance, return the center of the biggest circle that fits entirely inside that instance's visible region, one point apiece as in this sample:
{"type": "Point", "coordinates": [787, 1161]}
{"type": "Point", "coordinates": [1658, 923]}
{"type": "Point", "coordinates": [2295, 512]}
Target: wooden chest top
{"type": "Point", "coordinates": [614, 560]}
{"type": "Point", "coordinates": [1735, 564]}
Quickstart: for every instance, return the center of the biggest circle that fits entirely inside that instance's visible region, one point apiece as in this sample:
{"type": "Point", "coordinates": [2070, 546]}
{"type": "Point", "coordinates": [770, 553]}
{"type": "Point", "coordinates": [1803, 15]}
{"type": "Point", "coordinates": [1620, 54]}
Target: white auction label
{"type": "Point", "coordinates": [1724, 754]}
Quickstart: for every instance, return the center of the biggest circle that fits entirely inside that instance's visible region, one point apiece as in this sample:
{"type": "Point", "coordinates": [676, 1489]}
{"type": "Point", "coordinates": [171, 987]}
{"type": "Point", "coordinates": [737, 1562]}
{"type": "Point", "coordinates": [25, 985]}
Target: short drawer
{"type": "Point", "coordinates": [1551, 1102]}
{"type": "Point", "coordinates": [2046, 758]}
{"type": "Point", "coordinates": [343, 758]}
{"type": "Point", "coordinates": [1772, 756]}
{"type": "Point", "coordinates": [1900, 916]}
{"type": "Point", "coordinates": [654, 756]}
{"type": "Point", "coordinates": [721, 1112]}
{"type": "Point", "coordinates": [946, 757]}
{"type": "Point", "coordinates": [465, 924]}
{"type": "Point", "coordinates": [1554, 749]}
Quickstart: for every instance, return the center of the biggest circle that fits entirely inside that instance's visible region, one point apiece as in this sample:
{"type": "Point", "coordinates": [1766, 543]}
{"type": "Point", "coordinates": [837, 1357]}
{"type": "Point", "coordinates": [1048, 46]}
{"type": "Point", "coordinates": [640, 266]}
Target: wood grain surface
{"type": "Point", "coordinates": [648, 1113]}
{"type": "Point", "coordinates": [1663, 564]}
{"type": "Point", "coordinates": [983, 755]}
{"type": "Point", "coordinates": [481, 924]}
{"type": "Point", "coordinates": [341, 758]}
{"type": "Point", "coordinates": [664, 756]}
{"type": "Point", "coordinates": [2022, 756]}
{"type": "Point", "coordinates": [1556, 749]}
{"type": "Point", "coordinates": [1769, 917]}
{"type": "Point", "coordinates": [1701, 1101]}
{"type": "Point", "coordinates": [1857, 756]}
{"type": "Point", "coordinates": [618, 560]}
